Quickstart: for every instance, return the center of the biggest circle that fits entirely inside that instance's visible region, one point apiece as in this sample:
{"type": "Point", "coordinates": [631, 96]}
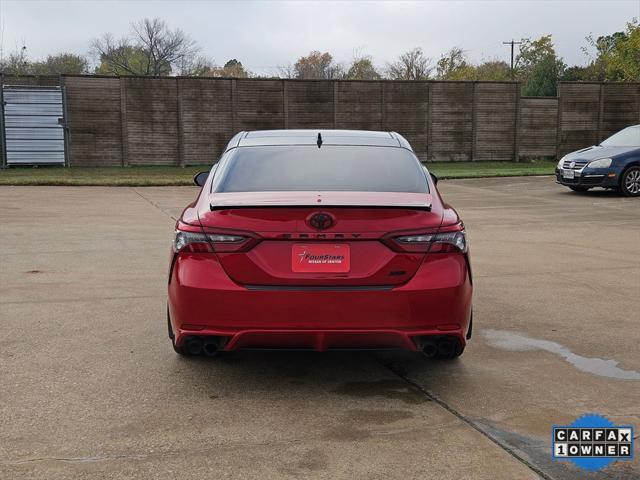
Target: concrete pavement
{"type": "Point", "coordinates": [92, 389]}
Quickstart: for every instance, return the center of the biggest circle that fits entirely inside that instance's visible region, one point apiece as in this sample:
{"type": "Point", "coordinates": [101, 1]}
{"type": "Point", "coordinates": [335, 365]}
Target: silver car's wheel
{"type": "Point", "coordinates": [630, 182]}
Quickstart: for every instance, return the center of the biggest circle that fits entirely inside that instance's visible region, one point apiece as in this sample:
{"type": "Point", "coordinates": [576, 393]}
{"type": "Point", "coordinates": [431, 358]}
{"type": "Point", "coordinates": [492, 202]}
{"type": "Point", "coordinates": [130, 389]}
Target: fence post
{"type": "Point", "coordinates": [123, 123]}
{"type": "Point", "coordinates": [559, 126]}
{"type": "Point", "coordinates": [474, 130]}
{"type": "Point", "coordinates": [335, 104]}
{"type": "Point", "coordinates": [600, 112]}
{"type": "Point", "coordinates": [383, 113]}
{"type": "Point", "coordinates": [3, 150]}
{"type": "Point", "coordinates": [429, 120]}
{"type": "Point", "coordinates": [285, 103]}
{"type": "Point", "coordinates": [180, 124]}
{"type": "Point", "coordinates": [516, 133]}
{"type": "Point", "coordinates": [65, 116]}
{"type": "Point", "coordinates": [234, 106]}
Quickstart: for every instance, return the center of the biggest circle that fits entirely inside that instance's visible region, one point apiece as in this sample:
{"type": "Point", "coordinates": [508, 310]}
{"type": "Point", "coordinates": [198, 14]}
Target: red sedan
{"type": "Point", "coordinates": [319, 240]}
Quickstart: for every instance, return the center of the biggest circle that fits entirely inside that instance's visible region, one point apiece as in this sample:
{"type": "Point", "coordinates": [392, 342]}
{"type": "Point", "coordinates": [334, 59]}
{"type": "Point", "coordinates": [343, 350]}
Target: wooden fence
{"type": "Point", "coordinates": [114, 121]}
{"type": "Point", "coordinates": [590, 112]}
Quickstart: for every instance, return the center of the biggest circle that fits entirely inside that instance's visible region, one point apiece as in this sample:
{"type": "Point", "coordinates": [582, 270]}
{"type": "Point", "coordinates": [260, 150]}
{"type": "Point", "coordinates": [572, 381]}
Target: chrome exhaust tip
{"type": "Point", "coordinates": [210, 348]}
{"type": "Point", "coordinates": [194, 346]}
{"type": "Point", "coordinates": [429, 350]}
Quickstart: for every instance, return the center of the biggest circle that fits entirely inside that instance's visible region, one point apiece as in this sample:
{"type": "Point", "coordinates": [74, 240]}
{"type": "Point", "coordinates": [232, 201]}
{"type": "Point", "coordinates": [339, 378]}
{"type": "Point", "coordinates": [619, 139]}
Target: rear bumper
{"type": "Point", "coordinates": [203, 300]}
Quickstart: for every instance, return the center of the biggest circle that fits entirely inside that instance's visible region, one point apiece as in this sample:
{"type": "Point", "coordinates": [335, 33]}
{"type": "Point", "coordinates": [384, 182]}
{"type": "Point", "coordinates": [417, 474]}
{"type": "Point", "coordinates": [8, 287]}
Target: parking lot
{"type": "Point", "coordinates": [92, 388]}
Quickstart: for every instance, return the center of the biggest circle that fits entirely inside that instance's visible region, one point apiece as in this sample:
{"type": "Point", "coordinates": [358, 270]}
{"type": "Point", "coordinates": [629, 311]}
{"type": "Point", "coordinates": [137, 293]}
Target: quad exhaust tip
{"type": "Point", "coordinates": [207, 346]}
{"type": "Point", "coordinates": [210, 348]}
{"type": "Point", "coordinates": [429, 349]}
{"type": "Point", "coordinates": [438, 347]}
{"type": "Point", "coordinates": [194, 346]}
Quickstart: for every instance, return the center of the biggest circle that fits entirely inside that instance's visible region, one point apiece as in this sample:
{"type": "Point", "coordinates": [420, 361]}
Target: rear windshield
{"type": "Point", "coordinates": [330, 168]}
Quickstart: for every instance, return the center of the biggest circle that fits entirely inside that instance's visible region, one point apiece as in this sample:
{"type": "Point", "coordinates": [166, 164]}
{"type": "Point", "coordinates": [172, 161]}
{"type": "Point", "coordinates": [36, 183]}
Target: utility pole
{"type": "Point", "coordinates": [513, 44]}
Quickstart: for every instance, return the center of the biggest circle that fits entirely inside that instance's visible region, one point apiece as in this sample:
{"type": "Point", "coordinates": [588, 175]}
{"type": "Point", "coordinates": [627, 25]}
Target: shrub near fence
{"type": "Point", "coordinates": [116, 121]}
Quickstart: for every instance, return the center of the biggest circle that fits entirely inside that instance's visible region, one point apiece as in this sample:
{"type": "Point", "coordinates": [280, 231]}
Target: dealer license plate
{"type": "Point", "coordinates": [320, 258]}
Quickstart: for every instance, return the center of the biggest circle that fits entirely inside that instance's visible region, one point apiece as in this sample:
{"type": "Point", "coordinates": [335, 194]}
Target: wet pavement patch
{"type": "Point", "coordinates": [518, 342]}
{"type": "Point", "coordinates": [345, 433]}
{"type": "Point", "coordinates": [377, 417]}
{"type": "Point", "coordinates": [391, 389]}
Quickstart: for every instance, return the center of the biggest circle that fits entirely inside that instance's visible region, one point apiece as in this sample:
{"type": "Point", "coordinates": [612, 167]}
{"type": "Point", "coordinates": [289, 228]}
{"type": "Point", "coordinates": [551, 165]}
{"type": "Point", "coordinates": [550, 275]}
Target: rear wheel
{"type": "Point", "coordinates": [630, 182]}
{"type": "Point", "coordinates": [577, 188]}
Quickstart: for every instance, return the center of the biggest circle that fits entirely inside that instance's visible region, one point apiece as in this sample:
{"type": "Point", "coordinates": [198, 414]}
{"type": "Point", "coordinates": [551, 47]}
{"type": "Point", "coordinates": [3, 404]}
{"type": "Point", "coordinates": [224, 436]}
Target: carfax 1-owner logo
{"type": "Point", "coordinates": [592, 442]}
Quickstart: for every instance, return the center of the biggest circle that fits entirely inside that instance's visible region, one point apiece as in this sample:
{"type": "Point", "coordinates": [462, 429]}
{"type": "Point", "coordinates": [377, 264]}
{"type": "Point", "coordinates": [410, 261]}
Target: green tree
{"type": "Point", "coordinates": [492, 70]}
{"type": "Point", "coordinates": [576, 73]}
{"type": "Point", "coordinates": [17, 63]}
{"type": "Point", "coordinates": [130, 60]}
{"type": "Point", "coordinates": [599, 67]}
{"type": "Point", "coordinates": [317, 65]}
{"type": "Point", "coordinates": [543, 77]}
{"type": "Point", "coordinates": [532, 52]}
{"type": "Point", "coordinates": [233, 68]}
{"type": "Point", "coordinates": [623, 54]}
{"type": "Point", "coordinates": [68, 63]}
{"type": "Point", "coordinates": [362, 68]}
{"type": "Point", "coordinates": [453, 65]}
{"type": "Point", "coordinates": [538, 67]}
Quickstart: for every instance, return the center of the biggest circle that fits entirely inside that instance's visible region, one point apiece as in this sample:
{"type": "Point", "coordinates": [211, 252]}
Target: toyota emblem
{"type": "Point", "coordinates": [321, 221]}
{"type": "Point", "coordinates": [572, 164]}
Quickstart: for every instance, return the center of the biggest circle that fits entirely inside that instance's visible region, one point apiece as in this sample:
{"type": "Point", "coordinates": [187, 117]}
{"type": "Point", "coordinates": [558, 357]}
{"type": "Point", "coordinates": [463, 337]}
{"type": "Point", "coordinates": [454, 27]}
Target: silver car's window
{"type": "Point", "coordinates": [629, 137]}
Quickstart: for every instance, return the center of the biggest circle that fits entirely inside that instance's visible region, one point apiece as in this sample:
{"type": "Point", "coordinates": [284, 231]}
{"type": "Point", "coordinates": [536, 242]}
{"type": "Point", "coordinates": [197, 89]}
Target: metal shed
{"type": "Point", "coordinates": [33, 120]}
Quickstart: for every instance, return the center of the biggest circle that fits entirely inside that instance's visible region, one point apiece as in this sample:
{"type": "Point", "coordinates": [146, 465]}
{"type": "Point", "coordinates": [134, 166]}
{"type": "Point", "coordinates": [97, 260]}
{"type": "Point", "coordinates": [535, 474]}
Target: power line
{"type": "Point", "coordinates": [513, 44]}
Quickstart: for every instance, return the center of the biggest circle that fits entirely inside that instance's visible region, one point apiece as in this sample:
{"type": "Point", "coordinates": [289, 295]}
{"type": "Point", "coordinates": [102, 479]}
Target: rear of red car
{"type": "Point", "coordinates": [324, 246]}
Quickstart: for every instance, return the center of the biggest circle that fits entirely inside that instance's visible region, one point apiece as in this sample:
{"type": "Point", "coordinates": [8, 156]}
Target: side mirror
{"type": "Point", "coordinates": [200, 178]}
{"type": "Point", "coordinates": [434, 178]}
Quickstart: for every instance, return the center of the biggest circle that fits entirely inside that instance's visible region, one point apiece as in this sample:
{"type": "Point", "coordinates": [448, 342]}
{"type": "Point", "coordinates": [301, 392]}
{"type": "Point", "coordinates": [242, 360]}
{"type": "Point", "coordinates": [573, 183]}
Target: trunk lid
{"type": "Point", "coordinates": [282, 220]}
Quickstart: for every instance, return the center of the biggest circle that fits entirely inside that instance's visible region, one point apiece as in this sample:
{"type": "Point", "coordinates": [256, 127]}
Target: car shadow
{"type": "Point", "coordinates": [595, 193]}
{"type": "Point", "coordinates": [356, 374]}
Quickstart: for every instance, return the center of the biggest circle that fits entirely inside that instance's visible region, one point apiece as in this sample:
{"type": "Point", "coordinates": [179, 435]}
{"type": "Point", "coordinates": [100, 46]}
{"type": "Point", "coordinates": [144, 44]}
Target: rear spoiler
{"type": "Point", "coordinates": [426, 206]}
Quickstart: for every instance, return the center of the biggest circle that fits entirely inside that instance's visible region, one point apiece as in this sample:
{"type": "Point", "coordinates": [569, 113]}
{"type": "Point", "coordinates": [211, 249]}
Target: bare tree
{"type": "Point", "coordinates": [17, 63]}
{"type": "Point", "coordinates": [287, 71]}
{"type": "Point", "coordinates": [152, 48]}
{"type": "Point", "coordinates": [198, 66]}
{"type": "Point", "coordinates": [411, 65]}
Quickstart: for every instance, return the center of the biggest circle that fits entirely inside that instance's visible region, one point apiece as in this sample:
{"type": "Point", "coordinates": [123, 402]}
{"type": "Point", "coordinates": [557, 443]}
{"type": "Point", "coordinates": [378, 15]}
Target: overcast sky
{"type": "Point", "coordinates": [266, 34]}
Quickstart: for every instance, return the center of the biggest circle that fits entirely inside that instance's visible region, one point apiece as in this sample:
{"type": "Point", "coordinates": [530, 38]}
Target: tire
{"type": "Point", "coordinates": [579, 188]}
{"type": "Point", "coordinates": [630, 182]}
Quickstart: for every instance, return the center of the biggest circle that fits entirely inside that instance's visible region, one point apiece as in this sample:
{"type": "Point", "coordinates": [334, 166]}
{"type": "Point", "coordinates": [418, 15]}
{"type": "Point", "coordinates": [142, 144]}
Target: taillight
{"type": "Point", "coordinates": [451, 241]}
{"type": "Point", "coordinates": [190, 240]}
